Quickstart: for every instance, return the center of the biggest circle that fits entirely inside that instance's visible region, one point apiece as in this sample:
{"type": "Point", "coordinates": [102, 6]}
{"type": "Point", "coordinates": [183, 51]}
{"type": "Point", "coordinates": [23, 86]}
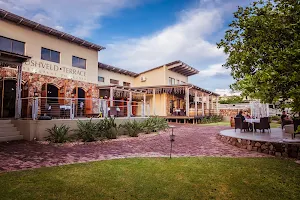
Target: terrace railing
{"type": "Point", "coordinates": [71, 108]}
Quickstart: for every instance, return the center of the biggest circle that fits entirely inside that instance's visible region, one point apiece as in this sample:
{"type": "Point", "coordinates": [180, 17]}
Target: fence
{"type": "Point", "coordinates": [70, 108]}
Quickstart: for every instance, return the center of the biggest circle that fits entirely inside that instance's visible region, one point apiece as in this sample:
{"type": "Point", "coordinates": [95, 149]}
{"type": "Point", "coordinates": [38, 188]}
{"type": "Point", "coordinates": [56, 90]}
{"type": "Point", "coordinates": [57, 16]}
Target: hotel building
{"type": "Point", "coordinates": [45, 71]}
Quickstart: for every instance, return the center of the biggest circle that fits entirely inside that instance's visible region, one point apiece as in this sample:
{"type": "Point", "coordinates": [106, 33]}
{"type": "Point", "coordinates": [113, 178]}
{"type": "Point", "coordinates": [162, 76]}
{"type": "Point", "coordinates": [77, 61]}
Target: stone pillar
{"type": "Point", "coordinates": [187, 101]}
{"type": "Point", "coordinates": [18, 103]}
{"type": "Point", "coordinates": [111, 97]}
{"type": "Point", "coordinates": [154, 101]}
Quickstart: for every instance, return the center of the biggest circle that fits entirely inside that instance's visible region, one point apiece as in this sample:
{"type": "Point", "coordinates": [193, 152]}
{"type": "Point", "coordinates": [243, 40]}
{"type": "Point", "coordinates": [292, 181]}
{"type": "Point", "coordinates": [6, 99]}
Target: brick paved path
{"type": "Point", "coordinates": [191, 140]}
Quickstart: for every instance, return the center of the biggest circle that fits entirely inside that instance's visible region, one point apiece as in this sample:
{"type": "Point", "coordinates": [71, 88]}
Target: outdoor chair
{"type": "Point", "coordinates": [55, 111]}
{"type": "Point", "coordinates": [296, 124]}
{"type": "Point", "coordinates": [113, 112]}
{"type": "Point", "coordinates": [182, 113]}
{"type": "Point", "coordinates": [239, 124]}
{"type": "Point", "coordinates": [263, 124]}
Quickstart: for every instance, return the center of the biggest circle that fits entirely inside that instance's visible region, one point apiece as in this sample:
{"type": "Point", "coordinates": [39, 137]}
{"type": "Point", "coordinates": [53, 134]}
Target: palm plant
{"type": "Point", "coordinates": [58, 134]}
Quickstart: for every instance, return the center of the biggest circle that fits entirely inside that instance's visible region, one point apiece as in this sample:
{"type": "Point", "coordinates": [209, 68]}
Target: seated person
{"type": "Point", "coordinates": [285, 119]}
{"type": "Point", "coordinates": [240, 115]}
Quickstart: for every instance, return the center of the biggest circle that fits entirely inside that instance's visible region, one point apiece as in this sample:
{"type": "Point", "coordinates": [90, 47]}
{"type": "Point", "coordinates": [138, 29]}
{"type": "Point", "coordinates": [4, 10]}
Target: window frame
{"type": "Point", "coordinates": [172, 81]}
{"type": "Point", "coordinates": [78, 66]}
{"type": "Point", "coordinates": [114, 80]}
{"type": "Point", "coordinates": [101, 78]}
{"type": "Point", "coordinates": [12, 46]}
{"type": "Point", "coordinates": [126, 84]}
{"type": "Point", "coordinates": [50, 50]}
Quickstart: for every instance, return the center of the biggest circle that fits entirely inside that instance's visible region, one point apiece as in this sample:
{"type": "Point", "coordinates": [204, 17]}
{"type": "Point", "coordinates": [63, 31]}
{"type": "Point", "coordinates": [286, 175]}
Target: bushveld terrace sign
{"type": "Point", "coordinates": [57, 70]}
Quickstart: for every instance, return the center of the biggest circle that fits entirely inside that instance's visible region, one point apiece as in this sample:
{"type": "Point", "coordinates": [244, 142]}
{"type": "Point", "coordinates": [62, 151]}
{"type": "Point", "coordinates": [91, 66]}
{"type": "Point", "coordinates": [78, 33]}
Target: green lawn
{"type": "Point", "coordinates": [158, 178]}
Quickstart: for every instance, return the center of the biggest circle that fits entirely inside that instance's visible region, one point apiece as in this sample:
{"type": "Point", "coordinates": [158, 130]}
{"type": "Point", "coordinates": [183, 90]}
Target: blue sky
{"type": "Point", "coordinates": [142, 34]}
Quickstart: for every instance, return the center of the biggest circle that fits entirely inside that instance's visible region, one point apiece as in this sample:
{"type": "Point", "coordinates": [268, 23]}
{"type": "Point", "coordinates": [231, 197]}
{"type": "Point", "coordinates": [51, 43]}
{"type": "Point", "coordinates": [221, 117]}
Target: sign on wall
{"type": "Point", "coordinates": [54, 69]}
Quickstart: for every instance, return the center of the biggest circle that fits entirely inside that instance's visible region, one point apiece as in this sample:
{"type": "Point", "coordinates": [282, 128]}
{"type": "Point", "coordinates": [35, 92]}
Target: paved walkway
{"type": "Point", "coordinates": [191, 140]}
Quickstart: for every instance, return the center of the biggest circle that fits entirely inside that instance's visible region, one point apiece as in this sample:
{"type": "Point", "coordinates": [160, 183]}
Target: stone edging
{"type": "Point", "coordinates": [291, 150]}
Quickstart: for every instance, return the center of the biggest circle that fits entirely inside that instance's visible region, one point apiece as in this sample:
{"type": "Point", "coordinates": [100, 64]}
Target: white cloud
{"type": "Point", "coordinates": [214, 70]}
{"type": "Point", "coordinates": [78, 17]}
{"type": "Point", "coordinates": [183, 41]}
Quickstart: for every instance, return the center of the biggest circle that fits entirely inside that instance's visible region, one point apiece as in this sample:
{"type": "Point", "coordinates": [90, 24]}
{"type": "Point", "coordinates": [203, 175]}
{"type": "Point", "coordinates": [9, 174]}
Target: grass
{"type": "Point", "coordinates": [158, 178]}
{"type": "Point", "coordinates": [218, 124]}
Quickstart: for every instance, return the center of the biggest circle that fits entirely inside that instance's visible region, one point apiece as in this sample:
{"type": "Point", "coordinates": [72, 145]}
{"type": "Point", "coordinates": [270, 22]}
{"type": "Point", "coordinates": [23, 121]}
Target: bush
{"type": "Point", "coordinates": [275, 118]}
{"type": "Point", "coordinates": [211, 119]}
{"type": "Point", "coordinates": [58, 134]}
{"type": "Point", "coordinates": [87, 131]}
{"type": "Point", "coordinates": [108, 128]}
{"type": "Point", "coordinates": [154, 124]}
{"type": "Point", "coordinates": [132, 128]}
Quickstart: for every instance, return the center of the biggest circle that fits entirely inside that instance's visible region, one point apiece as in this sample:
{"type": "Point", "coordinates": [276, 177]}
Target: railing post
{"type": "Point", "coordinates": [129, 102]}
{"type": "Point", "coordinates": [34, 109]}
{"type": "Point", "coordinates": [72, 110]}
{"type": "Point", "coordinates": [18, 103]}
{"type": "Point", "coordinates": [144, 106]}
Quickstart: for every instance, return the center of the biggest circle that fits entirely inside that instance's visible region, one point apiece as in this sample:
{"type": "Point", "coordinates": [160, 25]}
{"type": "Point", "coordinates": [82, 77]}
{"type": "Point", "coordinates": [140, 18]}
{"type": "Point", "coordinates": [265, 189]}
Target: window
{"type": "Point", "coordinates": [113, 81]}
{"type": "Point", "coordinates": [50, 55]}
{"type": "Point", "coordinates": [78, 62]}
{"type": "Point", "coordinates": [13, 46]}
{"type": "Point", "coordinates": [178, 82]}
{"type": "Point", "coordinates": [126, 84]}
{"type": "Point", "coordinates": [171, 81]}
{"type": "Point", "coordinates": [100, 79]}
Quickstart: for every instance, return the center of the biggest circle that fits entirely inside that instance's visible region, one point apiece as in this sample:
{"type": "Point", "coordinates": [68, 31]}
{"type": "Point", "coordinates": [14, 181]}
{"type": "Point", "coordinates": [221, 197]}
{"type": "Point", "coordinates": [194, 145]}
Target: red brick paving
{"type": "Point", "coordinates": [191, 140]}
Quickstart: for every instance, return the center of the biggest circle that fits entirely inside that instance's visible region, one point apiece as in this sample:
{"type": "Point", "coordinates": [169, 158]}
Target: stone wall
{"type": "Point", "coordinates": [291, 150]}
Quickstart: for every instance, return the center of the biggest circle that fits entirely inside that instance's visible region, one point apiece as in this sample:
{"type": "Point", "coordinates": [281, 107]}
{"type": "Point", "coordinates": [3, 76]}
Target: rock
{"type": "Point", "coordinates": [254, 148]}
{"type": "Point", "coordinates": [257, 144]}
{"type": "Point", "coordinates": [278, 154]}
{"type": "Point", "coordinates": [264, 147]}
{"type": "Point", "coordinates": [266, 151]}
{"type": "Point", "coordinates": [244, 142]}
{"type": "Point", "coordinates": [248, 142]}
{"type": "Point", "coordinates": [249, 147]}
{"type": "Point", "coordinates": [244, 147]}
{"type": "Point", "coordinates": [271, 152]}
{"type": "Point", "coordinates": [271, 147]}
{"type": "Point", "coordinates": [259, 150]}
{"type": "Point", "coordinates": [239, 140]}
{"type": "Point", "coordinates": [239, 145]}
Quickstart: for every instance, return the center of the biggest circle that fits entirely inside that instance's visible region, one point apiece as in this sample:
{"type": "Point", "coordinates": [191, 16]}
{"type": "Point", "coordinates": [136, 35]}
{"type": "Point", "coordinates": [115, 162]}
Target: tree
{"type": "Point", "coordinates": [263, 48]}
{"type": "Point", "coordinates": [231, 100]}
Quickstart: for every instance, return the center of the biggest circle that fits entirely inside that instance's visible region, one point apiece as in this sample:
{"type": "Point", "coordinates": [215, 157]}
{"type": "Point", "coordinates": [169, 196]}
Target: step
{"type": "Point", "coordinates": [4, 129]}
{"type": "Point", "coordinates": [6, 125]}
{"type": "Point", "coordinates": [9, 133]}
{"type": "Point", "coordinates": [5, 122]}
{"type": "Point", "coordinates": [10, 138]}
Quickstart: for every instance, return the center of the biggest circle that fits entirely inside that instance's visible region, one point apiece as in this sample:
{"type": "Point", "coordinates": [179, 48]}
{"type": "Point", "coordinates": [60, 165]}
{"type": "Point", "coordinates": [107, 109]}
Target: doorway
{"type": "Point", "coordinates": [80, 101]}
{"type": "Point", "coordinates": [8, 97]}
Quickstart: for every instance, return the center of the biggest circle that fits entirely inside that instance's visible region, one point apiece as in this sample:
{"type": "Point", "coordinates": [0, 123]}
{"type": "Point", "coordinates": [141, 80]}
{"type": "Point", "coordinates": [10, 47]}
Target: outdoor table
{"type": "Point", "coordinates": [252, 121]}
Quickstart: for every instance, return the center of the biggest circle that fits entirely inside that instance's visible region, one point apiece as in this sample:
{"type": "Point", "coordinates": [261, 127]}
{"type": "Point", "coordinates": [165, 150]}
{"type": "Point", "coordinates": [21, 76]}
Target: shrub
{"type": "Point", "coordinates": [108, 128]}
{"type": "Point", "coordinates": [132, 128]}
{"type": "Point", "coordinates": [58, 134]}
{"type": "Point", "coordinates": [275, 118]}
{"type": "Point", "coordinates": [154, 124]}
{"type": "Point", "coordinates": [87, 131]}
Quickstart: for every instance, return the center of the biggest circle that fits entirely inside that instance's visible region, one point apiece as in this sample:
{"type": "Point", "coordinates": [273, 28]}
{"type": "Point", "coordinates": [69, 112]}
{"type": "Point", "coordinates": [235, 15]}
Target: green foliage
{"type": "Point", "coordinates": [108, 128]}
{"type": "Point", "coordinates": [58, 134]}
{"type": "Point", "coordinates": [231, 100]}
{"type": "Point", "coordinates": [132, 128]}
{"type": "Point", "coordinates": [298, 129]}
{"type": "Point", "coordinates": [211, 119]}
{"type": "Point", "coordinates": [275, 118]}
{"type": "Point", "coordinates": [87, 131]}
{"type": "Point", "coordinates": [262, 44]}
{"type": "Point", "coordinates": [154, 124]}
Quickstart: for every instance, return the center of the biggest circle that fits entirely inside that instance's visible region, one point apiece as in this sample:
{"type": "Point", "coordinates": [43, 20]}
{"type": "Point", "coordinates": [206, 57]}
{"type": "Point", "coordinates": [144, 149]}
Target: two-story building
{"type": "Point", "coordinates": [52, 64]}
{"type": "Point", "coordinates": [168, 92]}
